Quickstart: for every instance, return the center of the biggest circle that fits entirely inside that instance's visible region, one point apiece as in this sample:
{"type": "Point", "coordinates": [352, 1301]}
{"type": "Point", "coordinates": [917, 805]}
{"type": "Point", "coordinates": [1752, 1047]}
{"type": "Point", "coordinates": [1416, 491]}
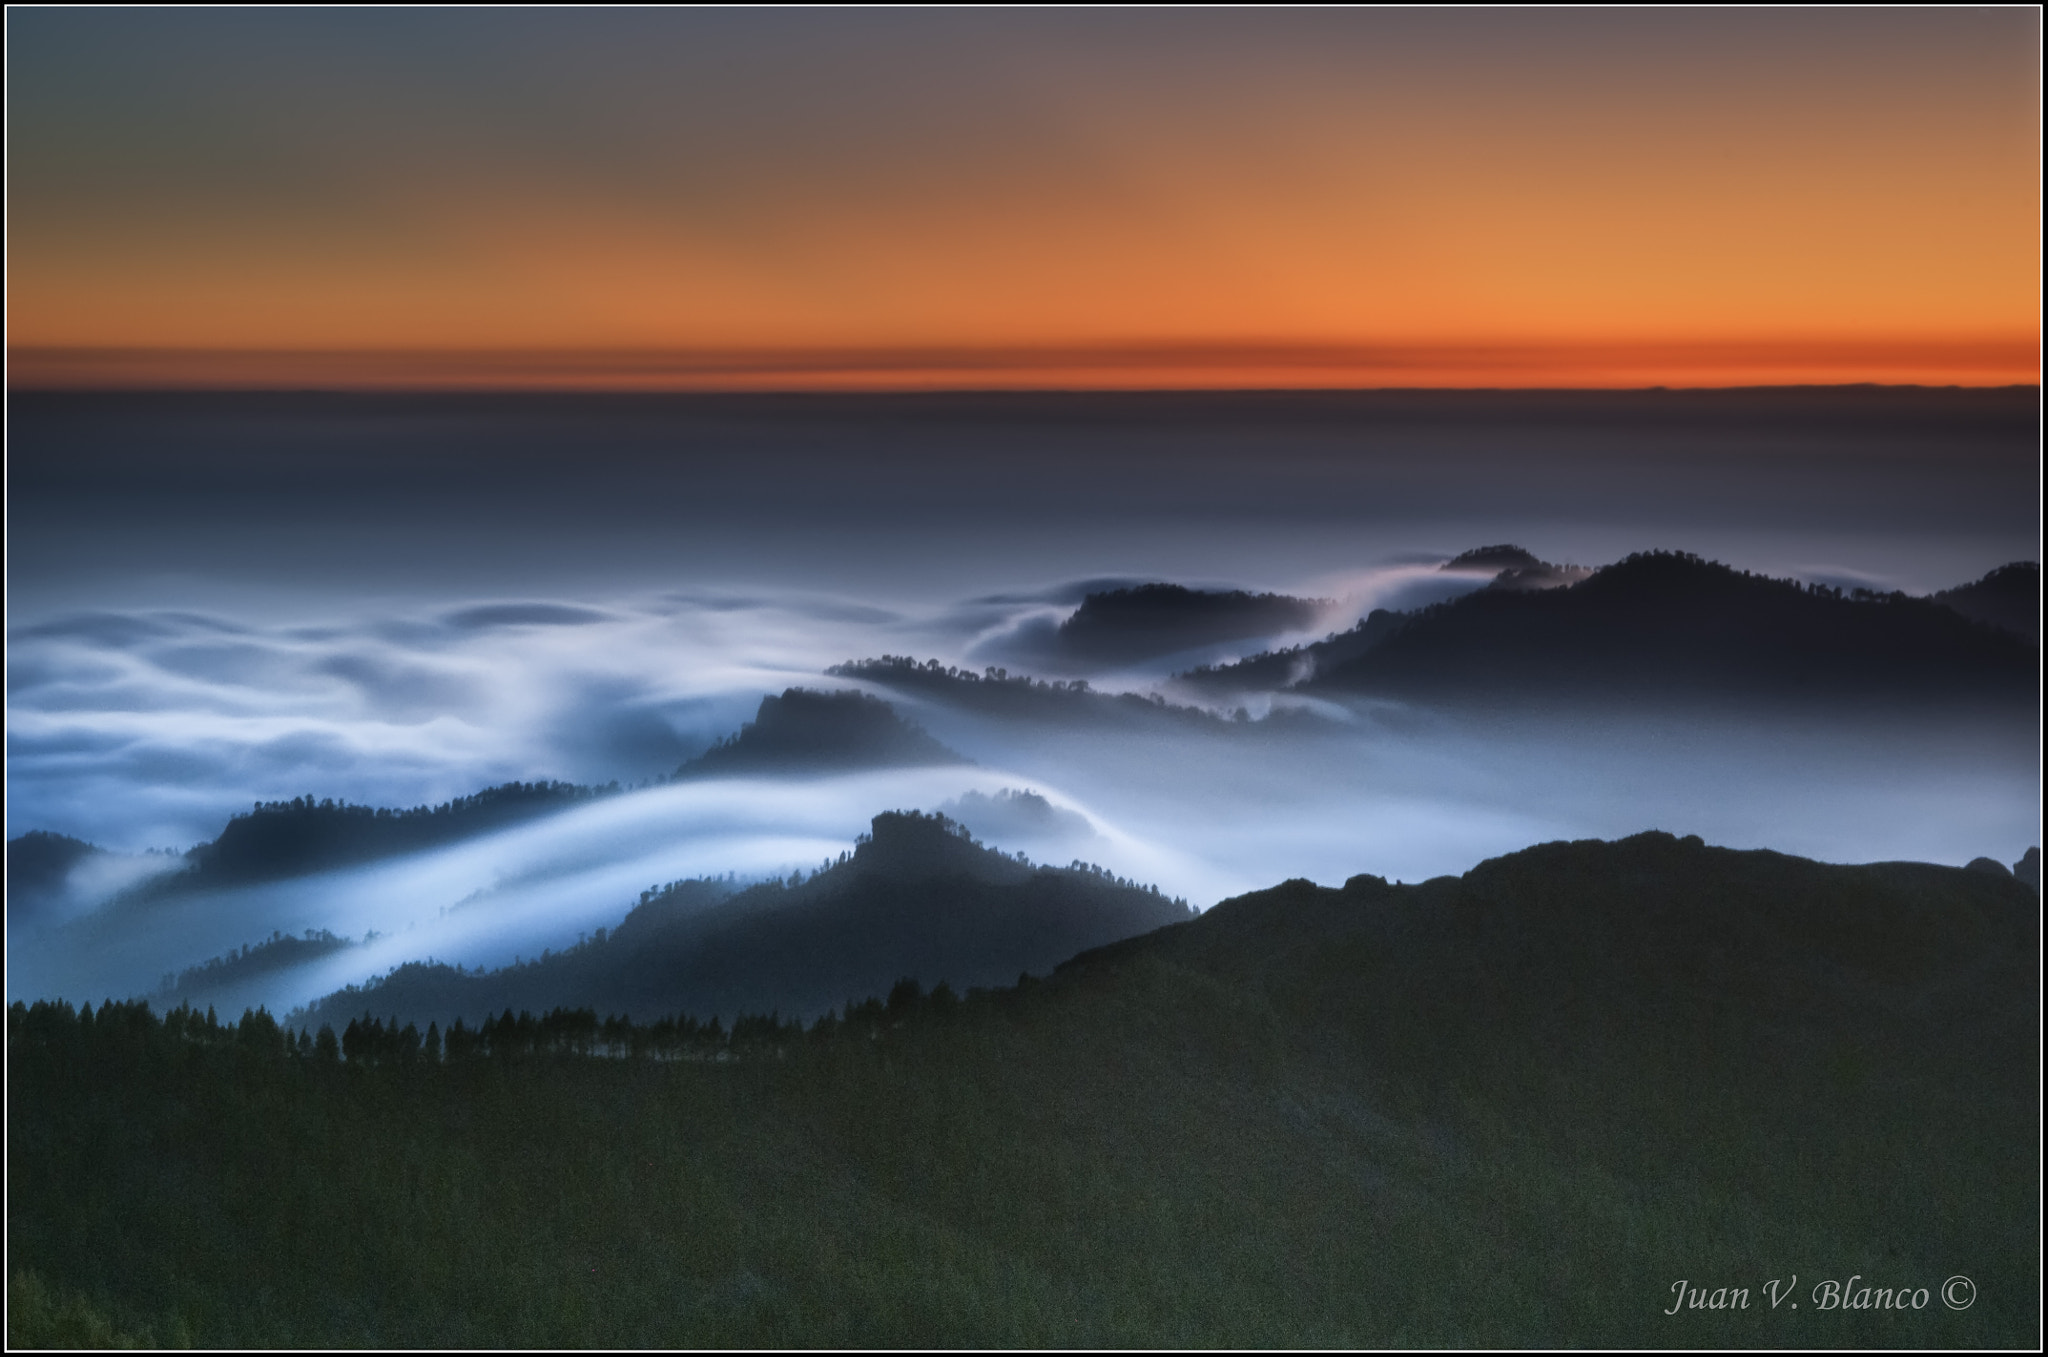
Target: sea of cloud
{"type": "Point", "coordinates": [147, 729]}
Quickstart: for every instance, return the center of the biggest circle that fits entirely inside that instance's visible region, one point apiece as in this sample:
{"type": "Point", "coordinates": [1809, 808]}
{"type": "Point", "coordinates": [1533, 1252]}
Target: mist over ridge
{"type": "Point", "coordinates": [915, 898]}
{"type": "Point", "coordinates": [1202, 800]}
{"type": "Point", "coordinates": [1033, 586]}
{"type": "Point", "coordinates": [1668, 630]}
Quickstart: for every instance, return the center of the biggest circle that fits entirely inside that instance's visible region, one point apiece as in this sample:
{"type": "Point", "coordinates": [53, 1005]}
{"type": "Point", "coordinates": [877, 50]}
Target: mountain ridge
{"type": "Point", "coordinates": [1653, 628]}
{"type": "Point", "coordinates": [808, 731]}
{"type": "Point", "coordinates": [916, 897]}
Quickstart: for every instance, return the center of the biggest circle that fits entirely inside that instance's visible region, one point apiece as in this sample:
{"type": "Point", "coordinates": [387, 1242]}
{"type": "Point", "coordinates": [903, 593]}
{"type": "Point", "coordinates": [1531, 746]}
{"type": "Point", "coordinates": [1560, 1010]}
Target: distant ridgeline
{"type": "Point", "coordinates": [1369, 1116]}
{"type": "Point", "coordinates": [1516, 567]}
{"type": "Point", "coordinates": [281, 839]}
{"type": "Point", "coordinates": [1125, 626]}
{"type": "Point", "coordinates": [800, 731]}
{"type": "Point", "coordinates": [918, 897]}
{"type": "Point", "coordinates": [1667, 626]}
{"type": "Point", "coordinates": [50, 877]}
{"type": "Point", "coordinates": [2008, 597]}
{"type": "Point", "coordinates": [38, 863]}
{"type": "Point", "coordinates": [804, 731]}
{"type": "Point", "coordinates": [280, 951]}
{"type": "Point", "coordinates": [997, 692]}
{"type": "Point", "coordinates": [1014, 815]}
{"type": "Point", "coordinates": [292, 838]}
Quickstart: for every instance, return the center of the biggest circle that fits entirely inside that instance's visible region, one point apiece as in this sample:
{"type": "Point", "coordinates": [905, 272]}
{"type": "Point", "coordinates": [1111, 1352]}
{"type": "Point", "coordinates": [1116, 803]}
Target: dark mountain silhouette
{"type": "Point", "coordinates": [1125, 626]}
{"type": "Point", "coordinates": [1663, 628]}
{"type": "Point", "coordinates": [1655, 957]}
{"type": "Point", "coordinates": [1525, 1107]}
{"type": "Point", "coordinates": [37, 864]}
{"type": "Point", "coordinates": [1516, 568]}
{"type": "Point", "coordinates": [280, 839]}
{"type": "Point", "coordinates": [1293, 667]}
{"type": "Point", "coordinates": [801, 731]}
{"type": "Point", "coordinates": [1016, 816]}
{"type": "Point", "coordinates": [998, 692]}
{"type": "Point", "coordinates": [1676, 1011]}
{"type": "Point", "coordinates": [1639, 928]}
{"type": "Point", "coordinates": [1671, 625]}
{"type": "Point", "coordinates": [214, 980]}
{"type": "Point", "coordinates": [2028, 869]}
{"type": "Point", "coordinates": [2008, 597]}
{"type": "Point", "coordinates": [918, 897]}
{"type": "Point", "coordinates": [1505, 556]}
{"type": "Point", "coordinates": [1541, 576]}
{"type": "Point", "coordinates": [50, 876]}
{"type": "Point", "coordinates": [804, 731]}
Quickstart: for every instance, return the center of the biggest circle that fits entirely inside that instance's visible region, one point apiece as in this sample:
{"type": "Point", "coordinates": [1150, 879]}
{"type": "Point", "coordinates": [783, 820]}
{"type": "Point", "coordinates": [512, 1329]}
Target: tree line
{"type": "Point", "coordinates": [372, 1041]}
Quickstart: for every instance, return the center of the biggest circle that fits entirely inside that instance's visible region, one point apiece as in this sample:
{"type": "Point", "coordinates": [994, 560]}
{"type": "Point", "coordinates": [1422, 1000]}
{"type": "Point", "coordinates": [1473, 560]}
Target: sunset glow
{"type": "Point", "coordinates": [846, 200]}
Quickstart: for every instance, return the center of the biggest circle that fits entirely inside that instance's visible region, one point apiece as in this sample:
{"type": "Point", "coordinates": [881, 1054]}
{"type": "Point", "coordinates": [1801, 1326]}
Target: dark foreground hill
{"type": "Point", "coordinates": [1554, 1102]}
{"type": "Point", "coordinates": [916, 898]}
{"type": "Point", "coordinates": [1664, 630]}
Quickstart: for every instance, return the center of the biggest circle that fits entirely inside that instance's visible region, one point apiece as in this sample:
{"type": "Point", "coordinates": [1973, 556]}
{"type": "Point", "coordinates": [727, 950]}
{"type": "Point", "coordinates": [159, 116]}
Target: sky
{"type": "Point", "coordinates": [800, 199]}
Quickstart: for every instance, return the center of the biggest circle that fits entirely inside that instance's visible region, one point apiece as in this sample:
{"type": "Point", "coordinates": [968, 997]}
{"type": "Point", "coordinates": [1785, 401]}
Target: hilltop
{"type": "Point", "coordinates": [2008, 597]}
{"type": "Point", "coordinates": [917, 897]}
{"type": "Point", "coordinates": [1655, 629]}
{"type": "Point", "coordinates": [1117, 627]}
{"type": "Point", "coordinates": [804, 731]}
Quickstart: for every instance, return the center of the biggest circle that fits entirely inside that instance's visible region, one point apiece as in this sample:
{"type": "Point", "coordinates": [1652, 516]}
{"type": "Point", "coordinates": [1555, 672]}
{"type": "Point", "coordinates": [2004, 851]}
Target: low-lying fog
{"type": "Point", "coordinates": [145, 730]}
{"type": "Point", "coordinates": [215, 605]}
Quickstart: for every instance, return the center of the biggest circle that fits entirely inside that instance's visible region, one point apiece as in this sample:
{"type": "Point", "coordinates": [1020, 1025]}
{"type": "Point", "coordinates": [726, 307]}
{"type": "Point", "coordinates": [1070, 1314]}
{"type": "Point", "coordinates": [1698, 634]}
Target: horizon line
{"type": "Point", "coordinates": [1174, 366]}
{"type": "Point", "coordinates": [783, 392]}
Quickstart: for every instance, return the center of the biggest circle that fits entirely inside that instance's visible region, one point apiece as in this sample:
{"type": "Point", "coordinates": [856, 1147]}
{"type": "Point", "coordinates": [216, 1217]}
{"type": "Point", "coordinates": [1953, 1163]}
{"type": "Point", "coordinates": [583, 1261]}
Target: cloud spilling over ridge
{"type": "Point", "coordinates": [490, 899]}
{"type": "Point", "coordinates": [147, 729]}
{"type": "Point", "coordinates": [1201, 817]}
{"type": "Point", "coordinates": [140, 729]}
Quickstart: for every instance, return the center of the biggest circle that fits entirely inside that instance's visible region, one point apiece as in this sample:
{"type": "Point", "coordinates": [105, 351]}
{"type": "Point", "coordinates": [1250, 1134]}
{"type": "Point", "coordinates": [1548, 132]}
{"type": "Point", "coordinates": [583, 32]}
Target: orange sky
{"type": "Point", "coordinates": [1197, 199]}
